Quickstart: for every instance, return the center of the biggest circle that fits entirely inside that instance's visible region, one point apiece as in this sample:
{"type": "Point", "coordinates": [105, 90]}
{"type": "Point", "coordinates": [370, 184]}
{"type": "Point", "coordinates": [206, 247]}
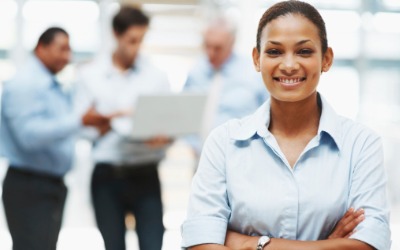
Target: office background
{"type": "Point", "coordinates": [364, 83]}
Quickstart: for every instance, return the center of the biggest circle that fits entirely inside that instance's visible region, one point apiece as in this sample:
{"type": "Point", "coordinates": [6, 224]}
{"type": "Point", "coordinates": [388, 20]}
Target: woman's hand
{"type": "Point", "coordinates": [345, 227]}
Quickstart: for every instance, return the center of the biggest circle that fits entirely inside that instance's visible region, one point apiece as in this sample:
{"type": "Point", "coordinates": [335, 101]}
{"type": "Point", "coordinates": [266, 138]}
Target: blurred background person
{"type": "Point", "coordinates": [233, 86]}
{"type": "Point", "coordinates": [125, 177]}
{"type": "Point", "coordinates": [38, 130]}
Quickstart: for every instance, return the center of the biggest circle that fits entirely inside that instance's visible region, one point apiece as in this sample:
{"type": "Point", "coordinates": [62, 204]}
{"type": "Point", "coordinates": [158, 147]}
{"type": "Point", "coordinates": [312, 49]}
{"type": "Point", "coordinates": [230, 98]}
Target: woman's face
{"type": "Point", "coordinates": [290, 58]}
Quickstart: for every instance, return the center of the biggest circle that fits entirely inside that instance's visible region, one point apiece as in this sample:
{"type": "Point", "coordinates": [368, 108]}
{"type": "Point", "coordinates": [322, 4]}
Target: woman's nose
{"type": "Point", "coordinates": [289, 65]}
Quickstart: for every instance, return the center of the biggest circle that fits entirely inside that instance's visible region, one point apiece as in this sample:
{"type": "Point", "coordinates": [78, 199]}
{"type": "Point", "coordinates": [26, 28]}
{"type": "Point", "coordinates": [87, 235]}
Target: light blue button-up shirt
{"type": "Point", "coordinates": [244, 183]}
{"type": "Point", "coordinates": [102, 84]}
{"type": "Point", "coordinates": [38, 125]}
{"type": "Point", "coordinates": [242, 89]}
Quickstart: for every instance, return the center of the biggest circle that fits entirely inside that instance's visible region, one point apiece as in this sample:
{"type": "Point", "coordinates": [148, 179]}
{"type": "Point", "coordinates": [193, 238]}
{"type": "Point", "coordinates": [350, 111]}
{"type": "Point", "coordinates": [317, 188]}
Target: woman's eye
{"type": "Point", "coordinates": [305, 52]}
{"type": "Point", "coordinates": [273, 52]}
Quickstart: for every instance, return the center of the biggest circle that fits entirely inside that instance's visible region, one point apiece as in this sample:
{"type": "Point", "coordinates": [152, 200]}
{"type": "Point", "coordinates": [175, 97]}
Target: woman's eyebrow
{"type": "Point", "coordinates": [298, 43]}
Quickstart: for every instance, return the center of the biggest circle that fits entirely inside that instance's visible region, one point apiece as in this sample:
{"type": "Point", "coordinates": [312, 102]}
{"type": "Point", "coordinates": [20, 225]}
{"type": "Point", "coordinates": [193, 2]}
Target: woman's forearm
{"type": "Point", "coordinates": [244, 242]}
{"type": "Point", "coordinates": [209, 247]}
{"type": "Point", "coordinates": [331, 244]}
{"type": "Point", "coordinates": [338, 239]}
{"type": "Point", "coordinates": [283, 244]}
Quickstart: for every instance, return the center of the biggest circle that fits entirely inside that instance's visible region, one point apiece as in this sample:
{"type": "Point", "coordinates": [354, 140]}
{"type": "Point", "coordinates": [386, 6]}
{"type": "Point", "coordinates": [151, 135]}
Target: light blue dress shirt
{"type": "Point", "coordinates": [244, 183]}
{"type": "Point", "coordinates": [111, 90]}
{"type": "Point", "coordinates": [242, 90]}
{"type": "Point", "coordinates": [38, 125]}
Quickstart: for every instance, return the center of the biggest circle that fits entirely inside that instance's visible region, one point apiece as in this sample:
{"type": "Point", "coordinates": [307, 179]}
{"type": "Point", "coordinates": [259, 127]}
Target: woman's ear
{"type": "Point", "coordinates": [256, 59]}
{"type": "Point", "coordinates": [327, 60]}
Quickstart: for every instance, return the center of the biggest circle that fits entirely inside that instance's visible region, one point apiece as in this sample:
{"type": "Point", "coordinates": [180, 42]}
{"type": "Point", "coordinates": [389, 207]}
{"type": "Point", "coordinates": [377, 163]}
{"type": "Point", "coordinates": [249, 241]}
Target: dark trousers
{"type": "Point", "coordinates": [33, 204]}
{"type": "Point", "coordinates": [117, 191]}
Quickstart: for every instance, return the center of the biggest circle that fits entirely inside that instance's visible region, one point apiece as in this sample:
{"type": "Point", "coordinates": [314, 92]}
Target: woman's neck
{"type": "Point", "coordinates": [293, 119]}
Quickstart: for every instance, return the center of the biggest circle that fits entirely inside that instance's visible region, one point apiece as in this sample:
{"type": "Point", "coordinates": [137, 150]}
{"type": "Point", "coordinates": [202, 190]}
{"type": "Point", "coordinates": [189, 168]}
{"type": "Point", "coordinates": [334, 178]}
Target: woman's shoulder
{"type": "Point", "coordinates": [345, 130]}
{"type": "Point", "coordinates": [233, 129]}
{"type": "Point", "coordinates": [357, 132]}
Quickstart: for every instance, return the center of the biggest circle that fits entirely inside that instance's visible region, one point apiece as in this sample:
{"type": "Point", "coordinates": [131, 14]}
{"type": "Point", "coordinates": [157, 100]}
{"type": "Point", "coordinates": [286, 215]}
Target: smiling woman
{"type": "Point", "coordinates": [294, 172]}
{"type": "Point", "coordinates": [293, 56]}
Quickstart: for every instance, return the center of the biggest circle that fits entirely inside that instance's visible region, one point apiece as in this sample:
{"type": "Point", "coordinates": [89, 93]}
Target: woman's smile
{"type": "Point", "coordinates": [289, 82]}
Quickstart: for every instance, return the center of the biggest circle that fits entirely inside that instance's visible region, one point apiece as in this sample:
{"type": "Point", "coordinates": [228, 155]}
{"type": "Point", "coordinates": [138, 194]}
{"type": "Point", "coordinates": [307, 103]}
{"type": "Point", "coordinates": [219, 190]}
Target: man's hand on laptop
{"type": "Point", "coordinates": [121, 112]}
{"type": "Point", "coordinates": [158, 141]}
{"type": "Point", "coordinates": [97, 120]}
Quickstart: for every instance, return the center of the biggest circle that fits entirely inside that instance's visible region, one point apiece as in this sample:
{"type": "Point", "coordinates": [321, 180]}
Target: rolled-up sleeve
{"type": "Point", "coordinates": [208, 210]}
{"type": "Point", "coordinates": [368, 191]}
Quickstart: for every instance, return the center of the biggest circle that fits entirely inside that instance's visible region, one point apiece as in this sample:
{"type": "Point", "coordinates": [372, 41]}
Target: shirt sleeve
{"type": "Point", "coordinates": [189, 82]}
{"type": "Point", "coordinates": [165, 84]}
{"type": "Point", "coordinates": [83, 98]}
{"type": "Point", "coordinates": [26, 112]}
{"type": "Point", "coordinates": [368, 191]}
{"type": "Point", "coordinates": [208, 210]}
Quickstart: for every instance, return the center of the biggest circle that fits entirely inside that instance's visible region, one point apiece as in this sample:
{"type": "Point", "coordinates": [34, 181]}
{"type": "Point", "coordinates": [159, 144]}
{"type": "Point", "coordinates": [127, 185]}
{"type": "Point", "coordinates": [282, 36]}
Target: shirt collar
{"type": "Point", "coordinates": [42, 72]}
{"type": "Point", "coordinates": [258, 123]}
{"type": "Point", "coordinates": [110, 69]}
{"type": "Point", "coordinates": [225, 67]}
{"type": "Point", "coordinates": [330, 123]}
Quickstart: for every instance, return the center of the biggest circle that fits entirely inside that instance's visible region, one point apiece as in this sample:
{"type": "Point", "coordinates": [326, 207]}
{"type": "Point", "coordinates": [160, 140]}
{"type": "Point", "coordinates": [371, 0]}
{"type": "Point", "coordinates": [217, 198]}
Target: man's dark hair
{"type": "Point", "coordinates": [48, 35]}
{"type": "Point", "coordinates": [129, 16]}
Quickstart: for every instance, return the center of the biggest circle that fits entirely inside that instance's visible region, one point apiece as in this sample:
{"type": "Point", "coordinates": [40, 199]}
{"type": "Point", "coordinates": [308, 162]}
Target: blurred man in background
{"type": "Point", "coordinates": [234, 88]}
{"type": "Point", "coordinates": [125, 177]}
{"type": "Point", "coordinates": [38, 130]}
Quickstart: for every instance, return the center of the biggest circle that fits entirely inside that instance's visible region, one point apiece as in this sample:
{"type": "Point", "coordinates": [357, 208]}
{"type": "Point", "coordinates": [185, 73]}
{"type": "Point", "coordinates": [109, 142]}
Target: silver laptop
{"type": "Point", "coordinates": [169, 115]}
